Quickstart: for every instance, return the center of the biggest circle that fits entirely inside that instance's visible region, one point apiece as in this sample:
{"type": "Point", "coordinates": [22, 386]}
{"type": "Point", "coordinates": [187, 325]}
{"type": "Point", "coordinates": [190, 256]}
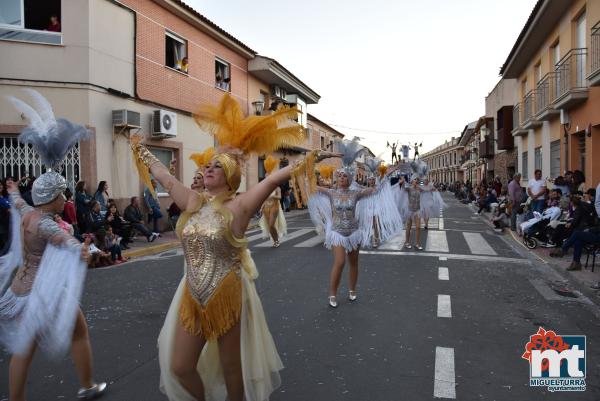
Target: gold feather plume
{"type": "Point", "coordinates": [252, 134]}
{"type": "Point", "coordinates": [382, 169]}
{"type": "Point", "coordinates": [326, 171]}
{"type": "Point", "coordinates": [203, 158]}
{"type": "Point", "coordinates": [270, 164]}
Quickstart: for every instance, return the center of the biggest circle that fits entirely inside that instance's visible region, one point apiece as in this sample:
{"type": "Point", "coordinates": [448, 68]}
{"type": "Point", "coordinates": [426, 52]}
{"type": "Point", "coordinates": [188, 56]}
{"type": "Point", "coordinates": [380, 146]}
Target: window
{"type": "Point", "coordinates": [322, 143]}
{"type": "Point", "coordinates": [524, 165]}
{"type": "Point", "coordinates": [18, 160]}
{"type": "Point", "coordinates": [537, 158]}
{"type": "Point", "coordinates": [330, 146]}
{"type": "Point", "coordinates": [555, 159]}
{"type": "Point", "coordinates": [538, 72]}
{"type": "Point", "coordinates": [31, 21]}
{"type": "Point", "coordinates": [176, 52]}
{"type": "Point", "coordinates": [222, 75]}
{"type": "Point", "coordinates": [165, 156]}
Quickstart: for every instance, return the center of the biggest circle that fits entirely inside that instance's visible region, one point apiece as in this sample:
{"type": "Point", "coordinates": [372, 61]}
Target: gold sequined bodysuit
{"type": "Point", "coordinates": [212, 300]}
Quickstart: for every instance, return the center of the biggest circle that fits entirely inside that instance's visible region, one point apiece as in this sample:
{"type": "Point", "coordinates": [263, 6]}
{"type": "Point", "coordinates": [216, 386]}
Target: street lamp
{"type": "Point", "coordinates": [259, 106]}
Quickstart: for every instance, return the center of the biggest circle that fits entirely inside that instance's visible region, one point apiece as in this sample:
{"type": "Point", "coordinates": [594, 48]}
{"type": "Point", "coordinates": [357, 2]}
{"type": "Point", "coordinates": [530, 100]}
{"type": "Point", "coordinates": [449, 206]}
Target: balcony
{"type": "Point", "coordinates": [571, 81]}
{"type": "Point", "coordinates": [529, 120]}
{"type": "Point", "coordinates": [504, 120]}
{"type": "Point", "coordinates": [545, 95]}
{"type": "Point", "coordinates": [594, 76]}
{"type": "Point", "coordinates": [486, 148]}
{"type": "Point", "coordinates": [518, 129]}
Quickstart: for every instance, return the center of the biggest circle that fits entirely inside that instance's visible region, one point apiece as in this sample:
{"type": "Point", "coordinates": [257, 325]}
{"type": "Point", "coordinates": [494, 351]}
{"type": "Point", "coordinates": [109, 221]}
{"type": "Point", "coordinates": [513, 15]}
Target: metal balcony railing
{"type": "Point", "coordinates": [545, 92]}
{"type": "Point", "coordinates": [517, 116]}
{"type": "Point", "coordinates": [571, 72]}
{"type": "Point", "coordinates": [529, 106]}
{"type": "Point", "coordinates": [595, 49]}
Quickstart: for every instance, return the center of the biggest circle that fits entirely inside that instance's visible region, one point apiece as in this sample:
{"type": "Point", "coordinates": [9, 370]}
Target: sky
{"type": "Point", "coordinates": [407, 71]}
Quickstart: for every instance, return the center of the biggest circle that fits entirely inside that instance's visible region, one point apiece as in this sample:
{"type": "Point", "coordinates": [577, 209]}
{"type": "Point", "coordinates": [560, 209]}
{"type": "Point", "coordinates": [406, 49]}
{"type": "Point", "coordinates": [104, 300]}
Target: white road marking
{"type": "Point", "coordinates": [478, 245]}
{"type": "Point", "coordinates": [444, 385]}
{"type": "Point", "coordinates": [394, 243]}
{"type": "Point", "coordinates": [316, 240]}
{"type": "Point", "coordinates": [453, 256]}
{"type": "Point", "coordinates": [254, 237]}
{"type": "Point", "coordinates": [444, 308]}
{"type": "Point", "coordinates": [441, 224]}
{"type": "Point", "coordinates": [295, 234]}
{"type": "Point", "coordinates": [443, 273]}
{"type": "Point", "coordinates": [443, 258]}
{"type": "Point", "coordinates": [436, 242]}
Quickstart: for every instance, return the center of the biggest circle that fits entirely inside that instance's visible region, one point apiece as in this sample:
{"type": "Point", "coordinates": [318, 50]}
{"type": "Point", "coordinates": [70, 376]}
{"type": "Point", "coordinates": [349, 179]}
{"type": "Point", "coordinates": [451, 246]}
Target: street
{"type": "Point", "coordinates": [448, 322]}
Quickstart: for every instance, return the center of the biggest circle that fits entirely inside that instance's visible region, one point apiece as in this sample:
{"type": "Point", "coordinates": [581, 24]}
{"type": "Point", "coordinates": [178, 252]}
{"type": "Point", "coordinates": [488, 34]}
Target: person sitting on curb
{"type": "Point", "coordinates": [134, 216]}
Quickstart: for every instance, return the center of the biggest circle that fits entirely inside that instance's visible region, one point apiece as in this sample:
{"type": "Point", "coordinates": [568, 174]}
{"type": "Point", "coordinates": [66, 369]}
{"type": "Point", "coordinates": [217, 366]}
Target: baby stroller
{"type": "Point", "coordinates": [537, 234]}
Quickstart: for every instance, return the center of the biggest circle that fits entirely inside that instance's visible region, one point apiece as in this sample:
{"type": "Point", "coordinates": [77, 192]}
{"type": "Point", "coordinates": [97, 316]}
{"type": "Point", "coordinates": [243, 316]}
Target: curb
{"type": "Point", "coordinates": [151, 250]}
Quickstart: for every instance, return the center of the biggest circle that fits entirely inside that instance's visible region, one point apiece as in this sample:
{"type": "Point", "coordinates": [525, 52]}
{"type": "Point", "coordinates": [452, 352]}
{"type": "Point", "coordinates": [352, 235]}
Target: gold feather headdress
{"type": "Point", "coordinates": [240, 136]}
{"type": "Point", "coordinates": [326, 171]}
{"type": "Point", "coordinates": [270, 164]}
{"type": "Point", "coordinates": [203, 158]}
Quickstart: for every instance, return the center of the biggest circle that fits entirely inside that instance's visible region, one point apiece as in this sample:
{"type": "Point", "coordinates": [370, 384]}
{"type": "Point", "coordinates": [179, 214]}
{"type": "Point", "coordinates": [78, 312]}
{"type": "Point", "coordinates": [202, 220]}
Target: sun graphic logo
{"type": "Point", "coordinates": [556, 362]}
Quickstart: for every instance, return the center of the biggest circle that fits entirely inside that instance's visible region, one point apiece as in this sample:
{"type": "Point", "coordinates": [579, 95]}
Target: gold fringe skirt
{"type": "Point", "coordinates": [219, 315]}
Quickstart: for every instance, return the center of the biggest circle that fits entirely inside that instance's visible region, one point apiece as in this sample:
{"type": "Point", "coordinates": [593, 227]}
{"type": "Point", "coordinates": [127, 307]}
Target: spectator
{"type": "Point", "coordinates": [99, 256]}
{"type": "Point", "coordinates": [514, 195]}
{"type": "Point", "coordinates": [497, 184]}
{"type": "Point", "coordinates": [66, 227]}
{"type": "Point", "coordinates": [111, 244]}
{"type": "Point", "coordinates": [119, 225]}
{"type": "Point", "coordinates": [82, 205]}
{"type": "Point", "coordinates": [134, 216]}
{"type": "Point", "coordinates": [584, 217]}
{"type": "Point", "coordinates": [173, 212]}
{"type": "Point", "coordinates": [93, 219]}
{"type": "Point", "coordinates": [69, 212]}
{"type": "Point", "coordinates": [101, 195]}
{"type": "Point", "coordinates": [4, 219]}
{"type": "Point", "coordinates": [590, 196]}
{"type": "Point", "coordinates": [54, 25]}
{"type": "Point", "coordinates": [537, 191]}
{"type": "Point", "coordinates": [154, 213]}
{"type": "Point", "coordinates": [561, 184]}
{"type": "Point", "coordinates": [578, 181]}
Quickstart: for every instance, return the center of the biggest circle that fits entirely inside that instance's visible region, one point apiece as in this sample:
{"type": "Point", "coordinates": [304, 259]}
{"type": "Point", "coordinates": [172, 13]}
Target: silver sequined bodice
{"type": "Point", "coordinates": [343, 206]}
{"type": "Point", "coordinates": [208, 253]}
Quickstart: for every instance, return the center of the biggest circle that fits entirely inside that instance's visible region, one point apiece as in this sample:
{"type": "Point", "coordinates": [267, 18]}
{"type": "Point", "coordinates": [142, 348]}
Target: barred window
{"type": "Point", "coordinates": [18, 160]}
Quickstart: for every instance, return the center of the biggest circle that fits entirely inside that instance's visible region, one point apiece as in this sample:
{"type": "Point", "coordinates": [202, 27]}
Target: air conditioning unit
{"type": "Point", "coordinates": [164, 124]}
{"type": "Point", "coordinates": [278, 92]}
{"type": "Point", "coordinates": [128, 118]}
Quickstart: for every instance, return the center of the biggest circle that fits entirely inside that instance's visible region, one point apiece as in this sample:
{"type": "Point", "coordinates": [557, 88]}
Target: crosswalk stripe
{"type": "Point", "coordinates": [444, 385]}
{"type": "Point", "coordinates": [443, 274]}
{"type": "Point", "coordinates": [394, 243]}
{"type": "Point", "coordinates": [254, 237]}
{"type": "Point", "coordinates": [478, 245]}
{"type": "Point", "coordinates": [444, 307]}
{"type": "Point", "coordinates": [288, 237]}
{"type": "Point", "coordinates": [436, 242]}
{"type": "Point", "coordinates": [311, 242]}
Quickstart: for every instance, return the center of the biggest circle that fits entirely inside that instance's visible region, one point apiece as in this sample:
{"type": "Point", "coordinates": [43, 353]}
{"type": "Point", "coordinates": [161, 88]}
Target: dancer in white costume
{"type": "Point", "coordinates": [215, 343]}
{"type": "Point", "coordinates": [348, 214]}
{"type": "Point", "coordinates": [272, 222]}
{"type": "Point", "coordinates": [40, 308]}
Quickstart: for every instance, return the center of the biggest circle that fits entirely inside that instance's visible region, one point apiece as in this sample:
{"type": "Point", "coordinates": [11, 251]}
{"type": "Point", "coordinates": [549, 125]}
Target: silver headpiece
{"type": "Point", "coordinates": [373, 164]}
{"type": "Point", "coordinates": [420, 169]}
{"type": "Point", "coordinates": [350, 151]}
{"type": "Point", "coordinates": [52, 139]}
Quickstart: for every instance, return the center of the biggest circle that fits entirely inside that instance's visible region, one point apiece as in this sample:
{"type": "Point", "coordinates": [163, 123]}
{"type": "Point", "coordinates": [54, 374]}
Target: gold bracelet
{"type": "Point", "coordinates": [144, 155]}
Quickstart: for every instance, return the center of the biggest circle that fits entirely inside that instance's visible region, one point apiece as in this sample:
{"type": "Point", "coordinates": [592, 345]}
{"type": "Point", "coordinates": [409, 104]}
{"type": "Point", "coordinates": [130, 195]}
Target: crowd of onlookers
{"type": "Point", "coordinates": [93, 215]}
{"type": "Point", "coordinates": [559, 213]}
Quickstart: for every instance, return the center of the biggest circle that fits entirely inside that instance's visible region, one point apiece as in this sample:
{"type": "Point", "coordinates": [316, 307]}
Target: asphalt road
{"type": "Point", "coordinates": [416, 332]}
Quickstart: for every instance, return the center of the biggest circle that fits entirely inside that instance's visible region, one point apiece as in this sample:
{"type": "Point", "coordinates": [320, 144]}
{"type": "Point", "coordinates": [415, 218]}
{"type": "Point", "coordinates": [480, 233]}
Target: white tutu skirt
{"type": "Point", "coordinates": [350, 242]}
{"type": "Point", "coordinates": [260, 362]}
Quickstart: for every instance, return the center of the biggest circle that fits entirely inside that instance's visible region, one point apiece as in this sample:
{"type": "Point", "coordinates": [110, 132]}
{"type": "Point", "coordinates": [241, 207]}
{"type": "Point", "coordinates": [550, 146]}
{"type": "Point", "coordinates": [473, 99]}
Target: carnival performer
{"type": "Point", "coordinates": [348, 215]}
{"type": "Point", "coordinates": [201, 159]}
{"type": "Point", "coordinates": [215, 343]}
{"type": "Point", "coordinates": [374, 177]}
{"type": "Point", "coordinates": [432, 203]}
{"type": "Point", "coordinates": [47, 266]}
{"type": "Point", "coordinates": [409, 201]}
{"type": "Point", "coordinates": [272, 221]}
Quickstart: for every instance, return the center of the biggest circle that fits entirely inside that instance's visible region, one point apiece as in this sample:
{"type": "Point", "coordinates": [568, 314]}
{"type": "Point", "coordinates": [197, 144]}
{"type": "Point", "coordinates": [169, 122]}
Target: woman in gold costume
{"type": "Point", "coordinates": [215, 343]}
{"type": "Point", "coordinates": [272, 221]}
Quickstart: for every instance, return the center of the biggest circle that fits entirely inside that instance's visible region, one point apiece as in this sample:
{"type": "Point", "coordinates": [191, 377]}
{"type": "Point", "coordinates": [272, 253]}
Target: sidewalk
{"type": "Point", "coordinates": [584, 277]}
{"type": "Point", "coordinates": [168, 240]}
